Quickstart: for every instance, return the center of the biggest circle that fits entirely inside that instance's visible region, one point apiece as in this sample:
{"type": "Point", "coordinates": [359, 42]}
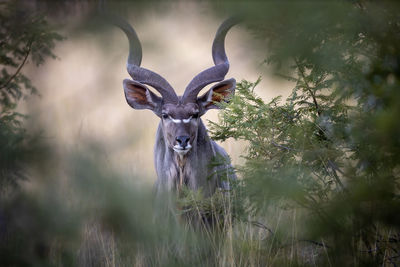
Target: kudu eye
{"type": "Point", "coordinates": [195, 116]}
{"type": "Point", "coordinates": [165, 116]}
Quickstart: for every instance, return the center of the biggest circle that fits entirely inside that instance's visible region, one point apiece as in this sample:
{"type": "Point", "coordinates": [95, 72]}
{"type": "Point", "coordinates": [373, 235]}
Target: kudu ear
{"type": "Point", "coordinates": [139, 96]}
{"type": "Point", "coordinates": [222, 91]}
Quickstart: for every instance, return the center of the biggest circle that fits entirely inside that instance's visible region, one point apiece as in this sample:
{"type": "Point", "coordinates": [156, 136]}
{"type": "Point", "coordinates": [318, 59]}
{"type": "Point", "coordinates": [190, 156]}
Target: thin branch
{"type": "Point", "coordinates": [335, 167]}
{"type": "Point", "coordinates": [281, 146]}
{"type": "Point", "coordinates": [308, 88]}
{"type": "Point", "coordinates": [262, 226]}
{"type": "Point", "coordinates": [314, 242]}
{"type": "Point", "coordinates": [331, 164]}
{"type": "Point", "coordinates": [335, 176]}
{"type": "Point", "coordinates": [20, 66]}
{"type": "Point", "coordinates": [308, 241]}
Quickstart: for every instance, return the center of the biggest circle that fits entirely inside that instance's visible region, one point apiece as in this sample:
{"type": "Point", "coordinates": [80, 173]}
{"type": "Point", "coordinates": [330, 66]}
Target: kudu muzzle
{"type": "Point", "coordinates": [182, 142]}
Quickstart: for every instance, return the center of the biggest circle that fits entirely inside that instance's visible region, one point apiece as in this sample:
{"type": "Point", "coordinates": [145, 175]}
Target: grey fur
{"type": "Point", "coordinates": [196, 172]}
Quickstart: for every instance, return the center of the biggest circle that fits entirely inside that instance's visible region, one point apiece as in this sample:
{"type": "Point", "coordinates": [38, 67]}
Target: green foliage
{"type": "Point", "coordinates": [89, 215]}
{"type": "Point", "coordinates": [217, 212]}
{"type": "Point", "coordinates": [332, 147]}
{"type": "Point", "coordinates": [24, 36]}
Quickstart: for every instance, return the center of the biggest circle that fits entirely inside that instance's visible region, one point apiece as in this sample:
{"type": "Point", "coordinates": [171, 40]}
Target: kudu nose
{"type": "Point", "coordinates": [182, 140]}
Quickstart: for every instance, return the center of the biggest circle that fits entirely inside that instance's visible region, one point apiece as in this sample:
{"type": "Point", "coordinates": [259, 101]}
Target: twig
{"type": "Point", "coordinates": [281, 146]}
{"type": "Point", "coordinates": [335, 167]}
{"type": "Point", "coordinates": [308, 88]}
{"type": "Point", "coordinates": [263, 226]}
{"type": "Point", "coordinates": [20, 66]}
{"type": "Point", "coordinates": [335, 176]}
{"type": "Point", "coordinates": [331, 164]}
{"type": "Point", "coordinates": [392, 262]}
{"type": "Point", "coordinates": [308, 241]}
{"type": "Point", "coordinates": [314, 242]}
{"type": "Point", "coordinates": [369, 251]}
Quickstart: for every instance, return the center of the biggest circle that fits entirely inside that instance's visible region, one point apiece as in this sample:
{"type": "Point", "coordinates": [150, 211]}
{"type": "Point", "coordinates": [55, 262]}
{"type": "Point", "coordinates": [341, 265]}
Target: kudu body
{"type": "Point", "coordinates": [183, 151]}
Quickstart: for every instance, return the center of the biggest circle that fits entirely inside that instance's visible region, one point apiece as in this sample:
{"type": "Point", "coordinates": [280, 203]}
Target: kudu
{"type": "Point", "coordinates": [183, 151]}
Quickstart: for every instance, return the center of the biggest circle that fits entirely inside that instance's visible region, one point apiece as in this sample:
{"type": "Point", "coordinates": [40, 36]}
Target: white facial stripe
{"type": "Point", "coordinates": [174, 120]}
{"type": "Point", "coordinates": [180, 121]}
{"type": "Point", "coordinates": [187, 120]}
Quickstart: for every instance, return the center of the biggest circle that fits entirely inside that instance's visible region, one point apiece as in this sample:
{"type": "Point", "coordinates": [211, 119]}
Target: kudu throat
{"type": "Point", "coordinates": [181, 162]}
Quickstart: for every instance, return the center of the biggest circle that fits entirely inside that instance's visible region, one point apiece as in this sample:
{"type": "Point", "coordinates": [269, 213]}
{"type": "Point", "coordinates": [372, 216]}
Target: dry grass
{"type": "Point", "coordinates": [211, 235]}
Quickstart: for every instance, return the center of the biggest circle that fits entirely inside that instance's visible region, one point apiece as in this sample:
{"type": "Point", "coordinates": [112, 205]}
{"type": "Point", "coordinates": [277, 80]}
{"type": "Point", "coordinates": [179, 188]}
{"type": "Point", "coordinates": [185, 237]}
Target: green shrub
{"type": "Point", "coordinates": [332, 147]}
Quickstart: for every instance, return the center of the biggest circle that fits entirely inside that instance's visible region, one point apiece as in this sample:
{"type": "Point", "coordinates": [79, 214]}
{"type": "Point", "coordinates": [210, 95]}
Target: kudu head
{"type": "Point", "coordinates": [180, 115]}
